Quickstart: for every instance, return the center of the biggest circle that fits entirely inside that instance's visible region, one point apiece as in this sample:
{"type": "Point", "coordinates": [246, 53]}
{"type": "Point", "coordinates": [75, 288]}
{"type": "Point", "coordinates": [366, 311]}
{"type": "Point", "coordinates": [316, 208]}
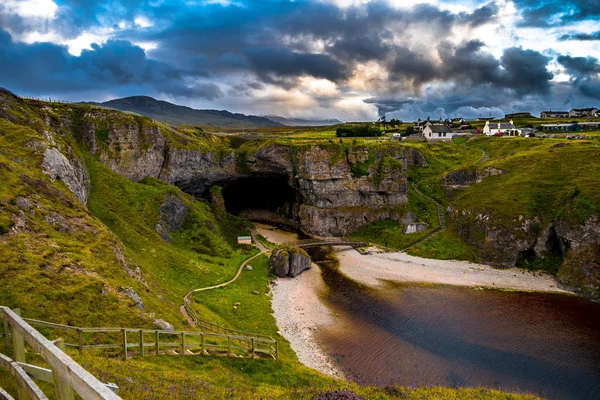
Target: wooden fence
{"type": "Point", "coordinates": [267, 344]}
{"type": "Point", "coordinates": [66, 375]}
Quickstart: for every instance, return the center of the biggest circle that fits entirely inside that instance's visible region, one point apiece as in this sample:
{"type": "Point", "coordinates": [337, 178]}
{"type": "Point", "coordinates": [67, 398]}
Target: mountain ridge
{"type": "Point", "coordinates": [174, 114]}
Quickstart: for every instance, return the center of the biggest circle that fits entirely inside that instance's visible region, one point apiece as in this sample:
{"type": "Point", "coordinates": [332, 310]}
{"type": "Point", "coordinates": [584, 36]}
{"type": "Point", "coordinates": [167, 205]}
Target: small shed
{"type": "Point", "coordinates": [244, 239]}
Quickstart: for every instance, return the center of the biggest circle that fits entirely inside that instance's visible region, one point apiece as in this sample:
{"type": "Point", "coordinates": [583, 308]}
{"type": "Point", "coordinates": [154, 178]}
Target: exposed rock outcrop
{"type": "Point", "coordinates": [72, 172]}
{"type": "Point", "coordinates": [337, 190]}
{"type": "Point", "coordinates": [289, 261]}
{"type": "Point", "coordinates": [467, 177]}
{"type": "Point", "coordinates": [137, 300]}
{"type": "Point", "coordinates": [172, 214]}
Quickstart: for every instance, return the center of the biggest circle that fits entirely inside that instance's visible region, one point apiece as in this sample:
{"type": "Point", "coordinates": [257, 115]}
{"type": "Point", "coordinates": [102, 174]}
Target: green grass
{"type": "Point", "coordinates": [390, 233]}
{"type": "Point", "coordinates": [445, 245]}
{"type": "Point", "coordinates": [76, 276]}
{"type": "Point", "coordinates": [548, 178]}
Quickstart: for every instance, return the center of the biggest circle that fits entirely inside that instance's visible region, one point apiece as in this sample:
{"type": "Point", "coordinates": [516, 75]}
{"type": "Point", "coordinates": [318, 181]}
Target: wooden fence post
{"type": "Point", "coordinates": [202, 343]}
{"type": "Point", "coordinates": [253, 348]}
{"type": "Point", "coordinates": [18, 342]}
{"type": "Point", "coordinates": [6, 332]}
{"type": "Point", "coordinates": [228, 346]}
{"type": "Point", "coordinates": [62, 387]}
{"type": "Point", "coordinates": [124, 332]}
{"type": "Point", "coordinates": [141, 342]}
{"type": "Point", "coordinates": [183, 343]}
{"type": "Point", "coordinates": [276, 350]}
{"type": "Point", "coordinates": [80, 333]}
{"type": "Point", "coordinates": [156, 342]}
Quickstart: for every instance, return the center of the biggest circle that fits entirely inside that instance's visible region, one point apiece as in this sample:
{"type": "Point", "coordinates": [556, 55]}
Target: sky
{"type": "Point", "coordinates": [353, 60]}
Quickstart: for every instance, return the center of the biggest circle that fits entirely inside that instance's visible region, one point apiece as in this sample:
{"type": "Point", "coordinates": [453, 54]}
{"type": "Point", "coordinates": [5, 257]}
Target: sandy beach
{"type": "Point", "coordinates": [372, 269]}
{"type": "Point", "coordinates": [300, 312]}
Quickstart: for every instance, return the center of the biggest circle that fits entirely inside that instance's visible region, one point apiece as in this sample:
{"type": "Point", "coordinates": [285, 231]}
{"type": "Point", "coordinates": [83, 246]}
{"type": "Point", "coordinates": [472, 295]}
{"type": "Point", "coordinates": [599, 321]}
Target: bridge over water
{"type": "Point", "coordinates": [308, 243]}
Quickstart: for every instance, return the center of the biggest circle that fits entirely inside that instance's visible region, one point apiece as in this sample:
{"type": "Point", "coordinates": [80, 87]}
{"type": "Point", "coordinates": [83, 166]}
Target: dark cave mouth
{"type": "Point", "coordinates": [272, 194]}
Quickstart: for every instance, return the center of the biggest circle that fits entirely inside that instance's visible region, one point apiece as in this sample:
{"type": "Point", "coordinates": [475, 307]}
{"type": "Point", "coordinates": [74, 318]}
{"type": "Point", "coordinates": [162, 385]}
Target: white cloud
{"type": "Point", "coordinates": [31, 8]}
{"type": "Point", "coordinates": [142, 22]}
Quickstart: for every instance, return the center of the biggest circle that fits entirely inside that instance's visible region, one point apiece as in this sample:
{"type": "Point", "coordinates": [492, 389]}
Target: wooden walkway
{"type": "Point", "coordinates": [308, 243]}
{"type": "Point", "coordinates": [238, 336]}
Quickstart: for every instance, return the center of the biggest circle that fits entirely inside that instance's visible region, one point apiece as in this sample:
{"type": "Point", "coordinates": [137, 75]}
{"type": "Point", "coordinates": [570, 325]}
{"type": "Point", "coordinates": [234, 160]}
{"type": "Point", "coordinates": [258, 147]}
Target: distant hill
{"type": "Point", "coordinates": [181, 115]}
{"type": "Point", "coordinates": [303, 122]}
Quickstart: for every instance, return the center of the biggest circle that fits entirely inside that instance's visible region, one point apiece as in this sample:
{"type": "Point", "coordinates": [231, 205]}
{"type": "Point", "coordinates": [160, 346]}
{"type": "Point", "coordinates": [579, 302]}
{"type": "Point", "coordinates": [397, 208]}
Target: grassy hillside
{"type": "Point", "coordinates": [548, 178]}
{"type": "Point", "coordinates": [70, 263]}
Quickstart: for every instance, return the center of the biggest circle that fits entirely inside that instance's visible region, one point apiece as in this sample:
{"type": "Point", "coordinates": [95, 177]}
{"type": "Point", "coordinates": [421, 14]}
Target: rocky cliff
{"type": "Point", "coordinates": [337, 188]}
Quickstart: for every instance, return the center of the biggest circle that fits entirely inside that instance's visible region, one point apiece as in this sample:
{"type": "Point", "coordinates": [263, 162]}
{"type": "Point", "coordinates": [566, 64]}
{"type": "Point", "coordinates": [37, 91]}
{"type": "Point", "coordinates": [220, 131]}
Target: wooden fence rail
{"type": "Point", "coordinates": [66, 375]}
{"type": "Point", "coordinates": [234, 343]}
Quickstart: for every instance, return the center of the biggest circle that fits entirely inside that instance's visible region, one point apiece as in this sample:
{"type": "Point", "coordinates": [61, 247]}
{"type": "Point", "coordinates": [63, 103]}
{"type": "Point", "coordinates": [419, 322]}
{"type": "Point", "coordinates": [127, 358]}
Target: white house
{"type": "Point", "coordinates": [437, 131]}
{"type": "Point", "coordinates": [554, 114]}
{"type": "Point", "coordinates": [584, 112]}
{"type": "Point", "coordinates": [507, 128]}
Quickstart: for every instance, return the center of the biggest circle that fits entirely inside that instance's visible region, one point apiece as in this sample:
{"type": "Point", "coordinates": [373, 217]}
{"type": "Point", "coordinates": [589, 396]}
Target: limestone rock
{"type": "Point", "coordinates": [248, 268]}
{"type": "Point", "coordinates": [57, 221]}
{"type": "Point", "coordinates": [72, 172]}
{"type": "Point", "coordinates": [289, 261]}
{"type": "Point", "coordinates": [130, 292]}
{"type": "Point", "coordinates": [164, 325]}
{"type": "Point", "coordinates": [172, 214]}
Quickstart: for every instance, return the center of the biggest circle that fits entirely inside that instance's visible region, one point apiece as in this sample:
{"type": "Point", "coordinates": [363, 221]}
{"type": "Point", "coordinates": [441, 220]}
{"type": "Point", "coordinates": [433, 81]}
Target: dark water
{"type": "Point", "coordinates": [545, 344]}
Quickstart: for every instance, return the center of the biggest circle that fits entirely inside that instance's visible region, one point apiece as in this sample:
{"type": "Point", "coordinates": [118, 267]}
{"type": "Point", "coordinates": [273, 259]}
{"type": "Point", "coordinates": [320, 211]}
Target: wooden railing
{"type": "Point", "coordinates": [66, 375]}
{"type": "Point", "coordinates": [142, 342]}
{"type": "Point", "coordinates": [268, 344]}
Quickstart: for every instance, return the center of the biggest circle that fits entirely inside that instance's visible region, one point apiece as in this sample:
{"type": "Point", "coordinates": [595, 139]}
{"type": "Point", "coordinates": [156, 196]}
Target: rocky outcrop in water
{"type": "Point", "coordinates": [289, 261]}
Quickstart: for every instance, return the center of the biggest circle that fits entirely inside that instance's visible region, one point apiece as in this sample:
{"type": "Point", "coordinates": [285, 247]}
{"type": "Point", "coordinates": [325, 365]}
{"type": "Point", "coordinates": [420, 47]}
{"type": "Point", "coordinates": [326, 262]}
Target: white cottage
{"type": "Point", "coordinates": [507, 128]}
{"type": "Point", "coordinates": [437, 132]}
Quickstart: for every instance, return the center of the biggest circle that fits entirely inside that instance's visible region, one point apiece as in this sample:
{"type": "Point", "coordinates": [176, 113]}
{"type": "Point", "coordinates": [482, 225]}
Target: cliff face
{"type": "Point", "coordinates": [337, 189]}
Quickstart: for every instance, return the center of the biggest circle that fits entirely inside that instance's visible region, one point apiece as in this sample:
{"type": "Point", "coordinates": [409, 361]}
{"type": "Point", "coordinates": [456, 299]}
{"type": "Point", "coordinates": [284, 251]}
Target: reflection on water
{"type": "Point", "coordinates": [546, 344]}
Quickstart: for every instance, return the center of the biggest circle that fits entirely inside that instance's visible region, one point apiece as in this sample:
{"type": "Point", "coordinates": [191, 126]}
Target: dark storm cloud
{"type": "Point", "coordinates": [285, 63]}
{"type": "Point", "coordinates": [482, 15]}
{"type": "Point", "coordinates": [557, 12]}
{"type": "Point", "coordinates": [45, 67]}
{"type": "Point", "coordinates": [579, 66]}
{"type": "Point", "coordinates": [585, 73]}
{"type": "Point", "coordinates": [581, 36]}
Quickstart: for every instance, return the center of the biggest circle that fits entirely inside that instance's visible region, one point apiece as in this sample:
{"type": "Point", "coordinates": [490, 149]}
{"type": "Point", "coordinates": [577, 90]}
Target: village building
{"type": "Point", "coordinates": [244, 240]}
{"type": "Point", "coordinates": [562, 127]}
{"type": "Point", "coordinates": [554, 114]}
{"type": "Point", "coordinates": [420, 125]}
{"type": "Point", "coordinates": [507, 128]}
{"type": "Point", "coordinates": [518, 115]}
{"type": "Point", "coordinates": [437, 131]}
{"type": "Point", "coordinates": [584, 112]}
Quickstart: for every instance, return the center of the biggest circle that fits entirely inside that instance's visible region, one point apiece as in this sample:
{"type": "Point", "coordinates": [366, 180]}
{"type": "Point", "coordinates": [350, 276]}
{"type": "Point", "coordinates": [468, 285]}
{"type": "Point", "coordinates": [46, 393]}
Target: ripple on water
{"type": "Point", "coordinates": [547, 344]}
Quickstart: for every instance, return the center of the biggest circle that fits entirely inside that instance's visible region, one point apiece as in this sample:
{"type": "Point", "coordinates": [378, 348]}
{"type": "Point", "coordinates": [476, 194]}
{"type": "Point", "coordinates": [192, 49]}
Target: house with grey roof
{"type": "Point", "coordinates": [507, 128]}
{"type": "Point", "coordinates": [554, 114]}
{"type": "Point", "coordinates": [590, 112]}
{"type": "Point", "coordinates": [437, 131]}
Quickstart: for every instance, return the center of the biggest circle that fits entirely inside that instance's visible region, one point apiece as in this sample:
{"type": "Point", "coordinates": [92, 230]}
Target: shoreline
{"type": "Point", "coordinates": [300, 311]}
{"type": "Point", "coordinates": [376, 268]}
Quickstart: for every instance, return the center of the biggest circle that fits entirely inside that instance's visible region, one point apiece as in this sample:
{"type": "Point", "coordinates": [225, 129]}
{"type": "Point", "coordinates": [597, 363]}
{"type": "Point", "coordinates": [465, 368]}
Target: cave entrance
{"type": "Point", "coordinates": [259, 197]}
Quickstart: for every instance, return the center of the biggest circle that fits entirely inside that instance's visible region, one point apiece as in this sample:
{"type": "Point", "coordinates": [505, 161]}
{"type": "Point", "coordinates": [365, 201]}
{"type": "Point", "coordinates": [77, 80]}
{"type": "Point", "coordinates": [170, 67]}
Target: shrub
{"type": "Point", "coordinates": [358, 131]}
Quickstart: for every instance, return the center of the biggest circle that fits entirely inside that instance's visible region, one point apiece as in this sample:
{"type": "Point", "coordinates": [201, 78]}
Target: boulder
{"type": "Point", "coordinates": [164, 325]}
{"type": "Point", "coordinates": [289, 261]}
{"type": "Point", "coordinates": [172, 214]}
